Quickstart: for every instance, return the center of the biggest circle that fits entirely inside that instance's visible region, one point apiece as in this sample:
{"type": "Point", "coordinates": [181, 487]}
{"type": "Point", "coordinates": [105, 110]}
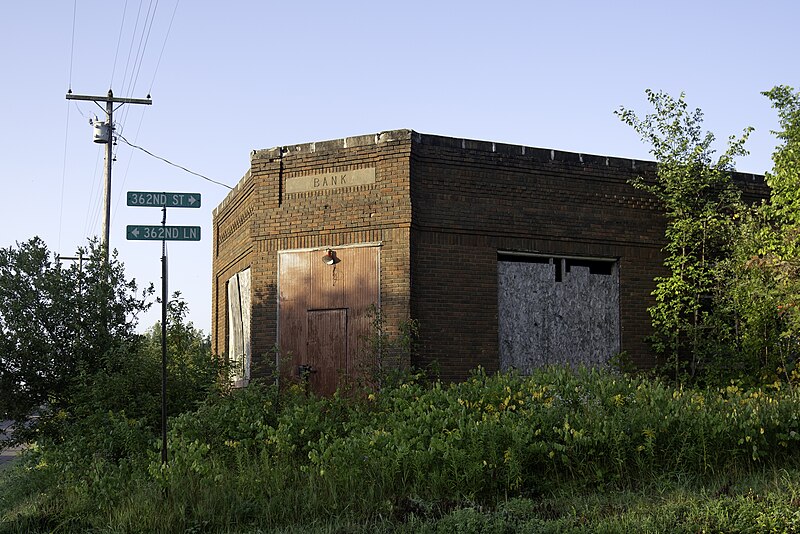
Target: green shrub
{"type": "Point", "coordinates": [419, 452]}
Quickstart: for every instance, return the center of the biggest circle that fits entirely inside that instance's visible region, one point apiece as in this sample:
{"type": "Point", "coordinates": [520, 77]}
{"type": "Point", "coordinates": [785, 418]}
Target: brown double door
{"type": "Point", "coordinates": [325, 314]}
{"type": "Point", "coordinates": [326, 349]}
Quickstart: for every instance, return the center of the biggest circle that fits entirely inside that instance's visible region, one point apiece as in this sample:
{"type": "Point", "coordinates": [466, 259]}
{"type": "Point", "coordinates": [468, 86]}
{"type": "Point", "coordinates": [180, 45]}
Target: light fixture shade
{"type": "Point", "coordinates": [329, 258]}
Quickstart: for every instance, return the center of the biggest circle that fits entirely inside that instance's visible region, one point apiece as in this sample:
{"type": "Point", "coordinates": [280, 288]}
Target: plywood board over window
{"type": "Point", "coordinates": [239, 311]}
{"type": "Point", "coordinates": [555, 310]}
{"type": "Point", "coordinates": [326, 300]}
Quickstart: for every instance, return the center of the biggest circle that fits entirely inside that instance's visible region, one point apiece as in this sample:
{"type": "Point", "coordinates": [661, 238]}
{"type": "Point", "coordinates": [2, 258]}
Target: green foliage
{"type": "Point", "coordinates": [730, 305]}
{"type": "Point", "coordinates": [388, 349]}
{"type": "Point", "coordinates": [774, 254]}
{"type": "Point", "coordinates": [700, 203]}
{"type": "Point", "coordinates": [193, 371]}
{"type": "Point", "coordinates": [129, 385]}
{"type": "Point", "coordinates": [105, 437]}
{"type": "Point", "coordinates": [760, 281]}
{"type": "Point", "coordinates": [69, 350]}
{"type": "Point", "coordinates": [783, 180]}
{"type": "Point", "coordinates": [426, 456]}
{"type": "Point", "coordinates": [749, 323]}
{"type": "Point", "coordinates": [58, 324]}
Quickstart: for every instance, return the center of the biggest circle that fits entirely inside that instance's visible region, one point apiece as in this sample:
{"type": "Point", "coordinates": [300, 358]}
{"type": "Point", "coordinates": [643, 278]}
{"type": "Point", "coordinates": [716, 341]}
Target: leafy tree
{"type": "Point", "coordinates": [59, 324]}
{"type": "Point", "coordinates": [700, 201]}
{"type": "Point", "coordinates": [762, 282]}
{"type": "Point", "coordinates": [132, 387]}
{"type": "Point", "coordinates": [784, 180]}
{"type": "Point", "coordinates": [193, 371]}
{"type": "Point", "coordinates": [772, 253]}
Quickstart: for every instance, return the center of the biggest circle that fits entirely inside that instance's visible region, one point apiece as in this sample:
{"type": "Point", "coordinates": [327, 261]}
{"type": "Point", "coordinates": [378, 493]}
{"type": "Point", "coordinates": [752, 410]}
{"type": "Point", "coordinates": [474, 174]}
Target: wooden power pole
{"type": "Point", "coordinates": [110, 100]}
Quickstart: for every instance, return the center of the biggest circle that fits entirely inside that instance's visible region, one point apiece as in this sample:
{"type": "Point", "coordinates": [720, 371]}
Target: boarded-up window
{"type": "Point", "coordinates": [239, 327]}
{"type": "Point", "coordinates": [556, 311]}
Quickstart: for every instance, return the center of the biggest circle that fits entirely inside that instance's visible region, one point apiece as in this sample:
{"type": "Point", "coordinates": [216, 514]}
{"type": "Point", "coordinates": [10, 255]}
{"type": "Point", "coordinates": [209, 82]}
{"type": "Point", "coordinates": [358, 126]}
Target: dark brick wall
{"type": "Point", "coordinates": [442, 208]}
{"type": "Point", "coordinates": [471, 199]}
{"type": "Point", "coordinates": [232, 252]}
{"type": "Point", "coordinates": [379, 212]}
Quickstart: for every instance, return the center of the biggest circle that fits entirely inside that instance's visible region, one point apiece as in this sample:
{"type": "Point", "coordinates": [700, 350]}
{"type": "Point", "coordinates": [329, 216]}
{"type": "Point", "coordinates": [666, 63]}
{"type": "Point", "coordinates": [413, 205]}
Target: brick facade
{"type": "Point", "coordinates": [441, 208]}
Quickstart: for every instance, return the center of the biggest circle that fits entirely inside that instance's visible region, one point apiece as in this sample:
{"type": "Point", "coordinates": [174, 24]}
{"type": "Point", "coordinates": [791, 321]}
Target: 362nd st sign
{"type": "Point", "coordinates": [154, 199]}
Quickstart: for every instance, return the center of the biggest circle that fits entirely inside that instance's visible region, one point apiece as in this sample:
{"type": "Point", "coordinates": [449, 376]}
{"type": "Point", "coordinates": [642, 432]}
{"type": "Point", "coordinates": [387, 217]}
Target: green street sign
{"type": "Point", "coordinates": [148, 232]}
{"type": "Point", "coordinates": [154, 199]}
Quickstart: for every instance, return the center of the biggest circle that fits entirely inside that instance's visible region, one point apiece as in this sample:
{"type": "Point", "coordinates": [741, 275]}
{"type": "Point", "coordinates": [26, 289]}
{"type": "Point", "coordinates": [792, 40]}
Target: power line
{"type": "Point", "coordinates": [173, 164]}
{"type": "Point", "coordinates": [138, 58]}
{"type": "Point", "coordinates": [152, 82]}
{"type": "Point", "coordinates": [66, 133]}
{"type": "Point", "coordinates": [84, 115]}
{"type": "Point", "coordinates": [163, 46]}
{"type": "Point", "coordinates": [146, 36]}
{"type": "Point", "coordinates": [93, 209]}
{"type": "Point", "coordinates": [130, 50]}
{"type": "Point", "coordinates": [63, 180]}
{"type": "Point", "coordinates": [128, 166]}
{"type": "Point", "coordinates": [72, 44]}
{"type": "Point", "coordinates": [119, 40]}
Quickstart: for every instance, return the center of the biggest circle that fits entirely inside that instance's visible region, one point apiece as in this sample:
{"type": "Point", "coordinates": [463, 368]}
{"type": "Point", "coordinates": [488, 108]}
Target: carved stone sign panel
{"type": "Point", "coordinates": [330, 180]}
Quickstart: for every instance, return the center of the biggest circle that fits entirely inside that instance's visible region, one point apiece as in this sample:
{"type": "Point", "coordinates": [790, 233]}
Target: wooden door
{"type": "Point", "coordinates": [326, 349]}
{"type": "Point", "coordinates": [315, 294]}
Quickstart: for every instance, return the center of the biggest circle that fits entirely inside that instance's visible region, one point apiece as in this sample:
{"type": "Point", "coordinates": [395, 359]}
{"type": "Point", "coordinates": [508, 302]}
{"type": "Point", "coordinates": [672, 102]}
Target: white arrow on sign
{"type": "Point", "coordinates": [135, 232]}
{"type": "Point", "coordinates": [191, 200]}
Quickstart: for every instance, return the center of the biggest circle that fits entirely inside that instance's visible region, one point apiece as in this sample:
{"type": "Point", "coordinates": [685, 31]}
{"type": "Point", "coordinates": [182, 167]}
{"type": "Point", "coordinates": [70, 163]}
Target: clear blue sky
{"type": "Point", "coordinates": [242, 75]}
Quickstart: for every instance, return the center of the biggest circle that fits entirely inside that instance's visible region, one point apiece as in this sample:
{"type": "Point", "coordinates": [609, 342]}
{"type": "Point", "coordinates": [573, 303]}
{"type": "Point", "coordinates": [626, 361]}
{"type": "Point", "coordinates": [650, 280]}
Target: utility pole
{"type": "Point", "coordinates": [79, 259]}
{"type": "Point", "coordinates": [108, 139]}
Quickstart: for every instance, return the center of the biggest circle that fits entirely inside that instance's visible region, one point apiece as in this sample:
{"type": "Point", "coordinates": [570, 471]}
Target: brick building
{"type": "Point", "coordinates": [506, 256]}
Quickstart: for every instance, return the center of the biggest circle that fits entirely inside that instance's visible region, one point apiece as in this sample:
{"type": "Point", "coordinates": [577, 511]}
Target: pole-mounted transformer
{"type": "Point", "coordinates": [103, 135]}
{"type": "Point", "coordinates": [102, 131]}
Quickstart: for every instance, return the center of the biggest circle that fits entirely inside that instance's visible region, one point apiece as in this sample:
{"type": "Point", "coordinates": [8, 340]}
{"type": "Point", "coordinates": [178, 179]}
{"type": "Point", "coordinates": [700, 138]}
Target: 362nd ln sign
{"type": "Point", "coordinates": [145, 232]}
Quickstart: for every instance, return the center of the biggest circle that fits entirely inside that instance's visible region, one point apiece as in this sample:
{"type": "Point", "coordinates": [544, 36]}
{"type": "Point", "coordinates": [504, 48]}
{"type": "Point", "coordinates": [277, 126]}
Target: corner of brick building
{"type": "Point", "coordinates": [269, 218]}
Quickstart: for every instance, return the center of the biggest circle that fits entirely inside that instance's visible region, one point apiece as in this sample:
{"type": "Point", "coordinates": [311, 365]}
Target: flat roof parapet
{"type": "Point", "coordinates": [331, 145]}
{"type": "Point", "coordinates": [536, 154]}
{"type": "Point", "coordinates": [541, 155]}
{"type": "Point", "coordinates": [231, 193]}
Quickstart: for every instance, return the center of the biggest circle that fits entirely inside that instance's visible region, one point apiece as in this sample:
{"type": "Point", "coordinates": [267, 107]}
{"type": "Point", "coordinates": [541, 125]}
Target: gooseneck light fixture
{"type": "Point", "coordinates": [330, 257]}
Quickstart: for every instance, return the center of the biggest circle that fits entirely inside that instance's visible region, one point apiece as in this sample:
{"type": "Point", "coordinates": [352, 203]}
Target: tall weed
{"type": "Point", "coordinates": [270, 459]}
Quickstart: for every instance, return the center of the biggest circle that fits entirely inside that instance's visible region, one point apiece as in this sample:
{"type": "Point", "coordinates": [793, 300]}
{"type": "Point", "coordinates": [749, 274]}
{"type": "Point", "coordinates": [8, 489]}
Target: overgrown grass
{"type": "Point", "coordinates": [556, 451]}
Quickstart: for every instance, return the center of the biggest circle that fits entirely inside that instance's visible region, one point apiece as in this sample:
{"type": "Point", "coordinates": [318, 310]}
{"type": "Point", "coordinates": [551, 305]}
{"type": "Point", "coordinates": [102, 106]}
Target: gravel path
{"type": "Point", "coordinates": [7, 455]}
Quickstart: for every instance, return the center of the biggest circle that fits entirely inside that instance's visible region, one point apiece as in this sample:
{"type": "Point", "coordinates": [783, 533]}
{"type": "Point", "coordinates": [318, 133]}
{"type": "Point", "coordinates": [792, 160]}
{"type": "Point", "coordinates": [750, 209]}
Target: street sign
{"type": "Point", "coordinates": [154, 199]}
{"type": "Point", "coordinates": [147, 232]}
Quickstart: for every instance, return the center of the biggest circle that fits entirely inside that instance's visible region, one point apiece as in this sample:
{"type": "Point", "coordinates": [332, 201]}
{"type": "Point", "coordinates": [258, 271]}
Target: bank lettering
{"type": "Point", "coordinates": [330, 180]}
{"type": "Point", "coordinates": [337, 180]}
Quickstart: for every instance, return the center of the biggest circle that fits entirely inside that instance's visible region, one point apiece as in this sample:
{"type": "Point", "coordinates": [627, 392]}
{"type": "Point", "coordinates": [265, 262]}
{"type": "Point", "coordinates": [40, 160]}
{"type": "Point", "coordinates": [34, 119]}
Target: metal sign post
{"type": "Point", "coordinates": [164, 297]}
{"type": "Point", "coordinates": [163, 233]}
